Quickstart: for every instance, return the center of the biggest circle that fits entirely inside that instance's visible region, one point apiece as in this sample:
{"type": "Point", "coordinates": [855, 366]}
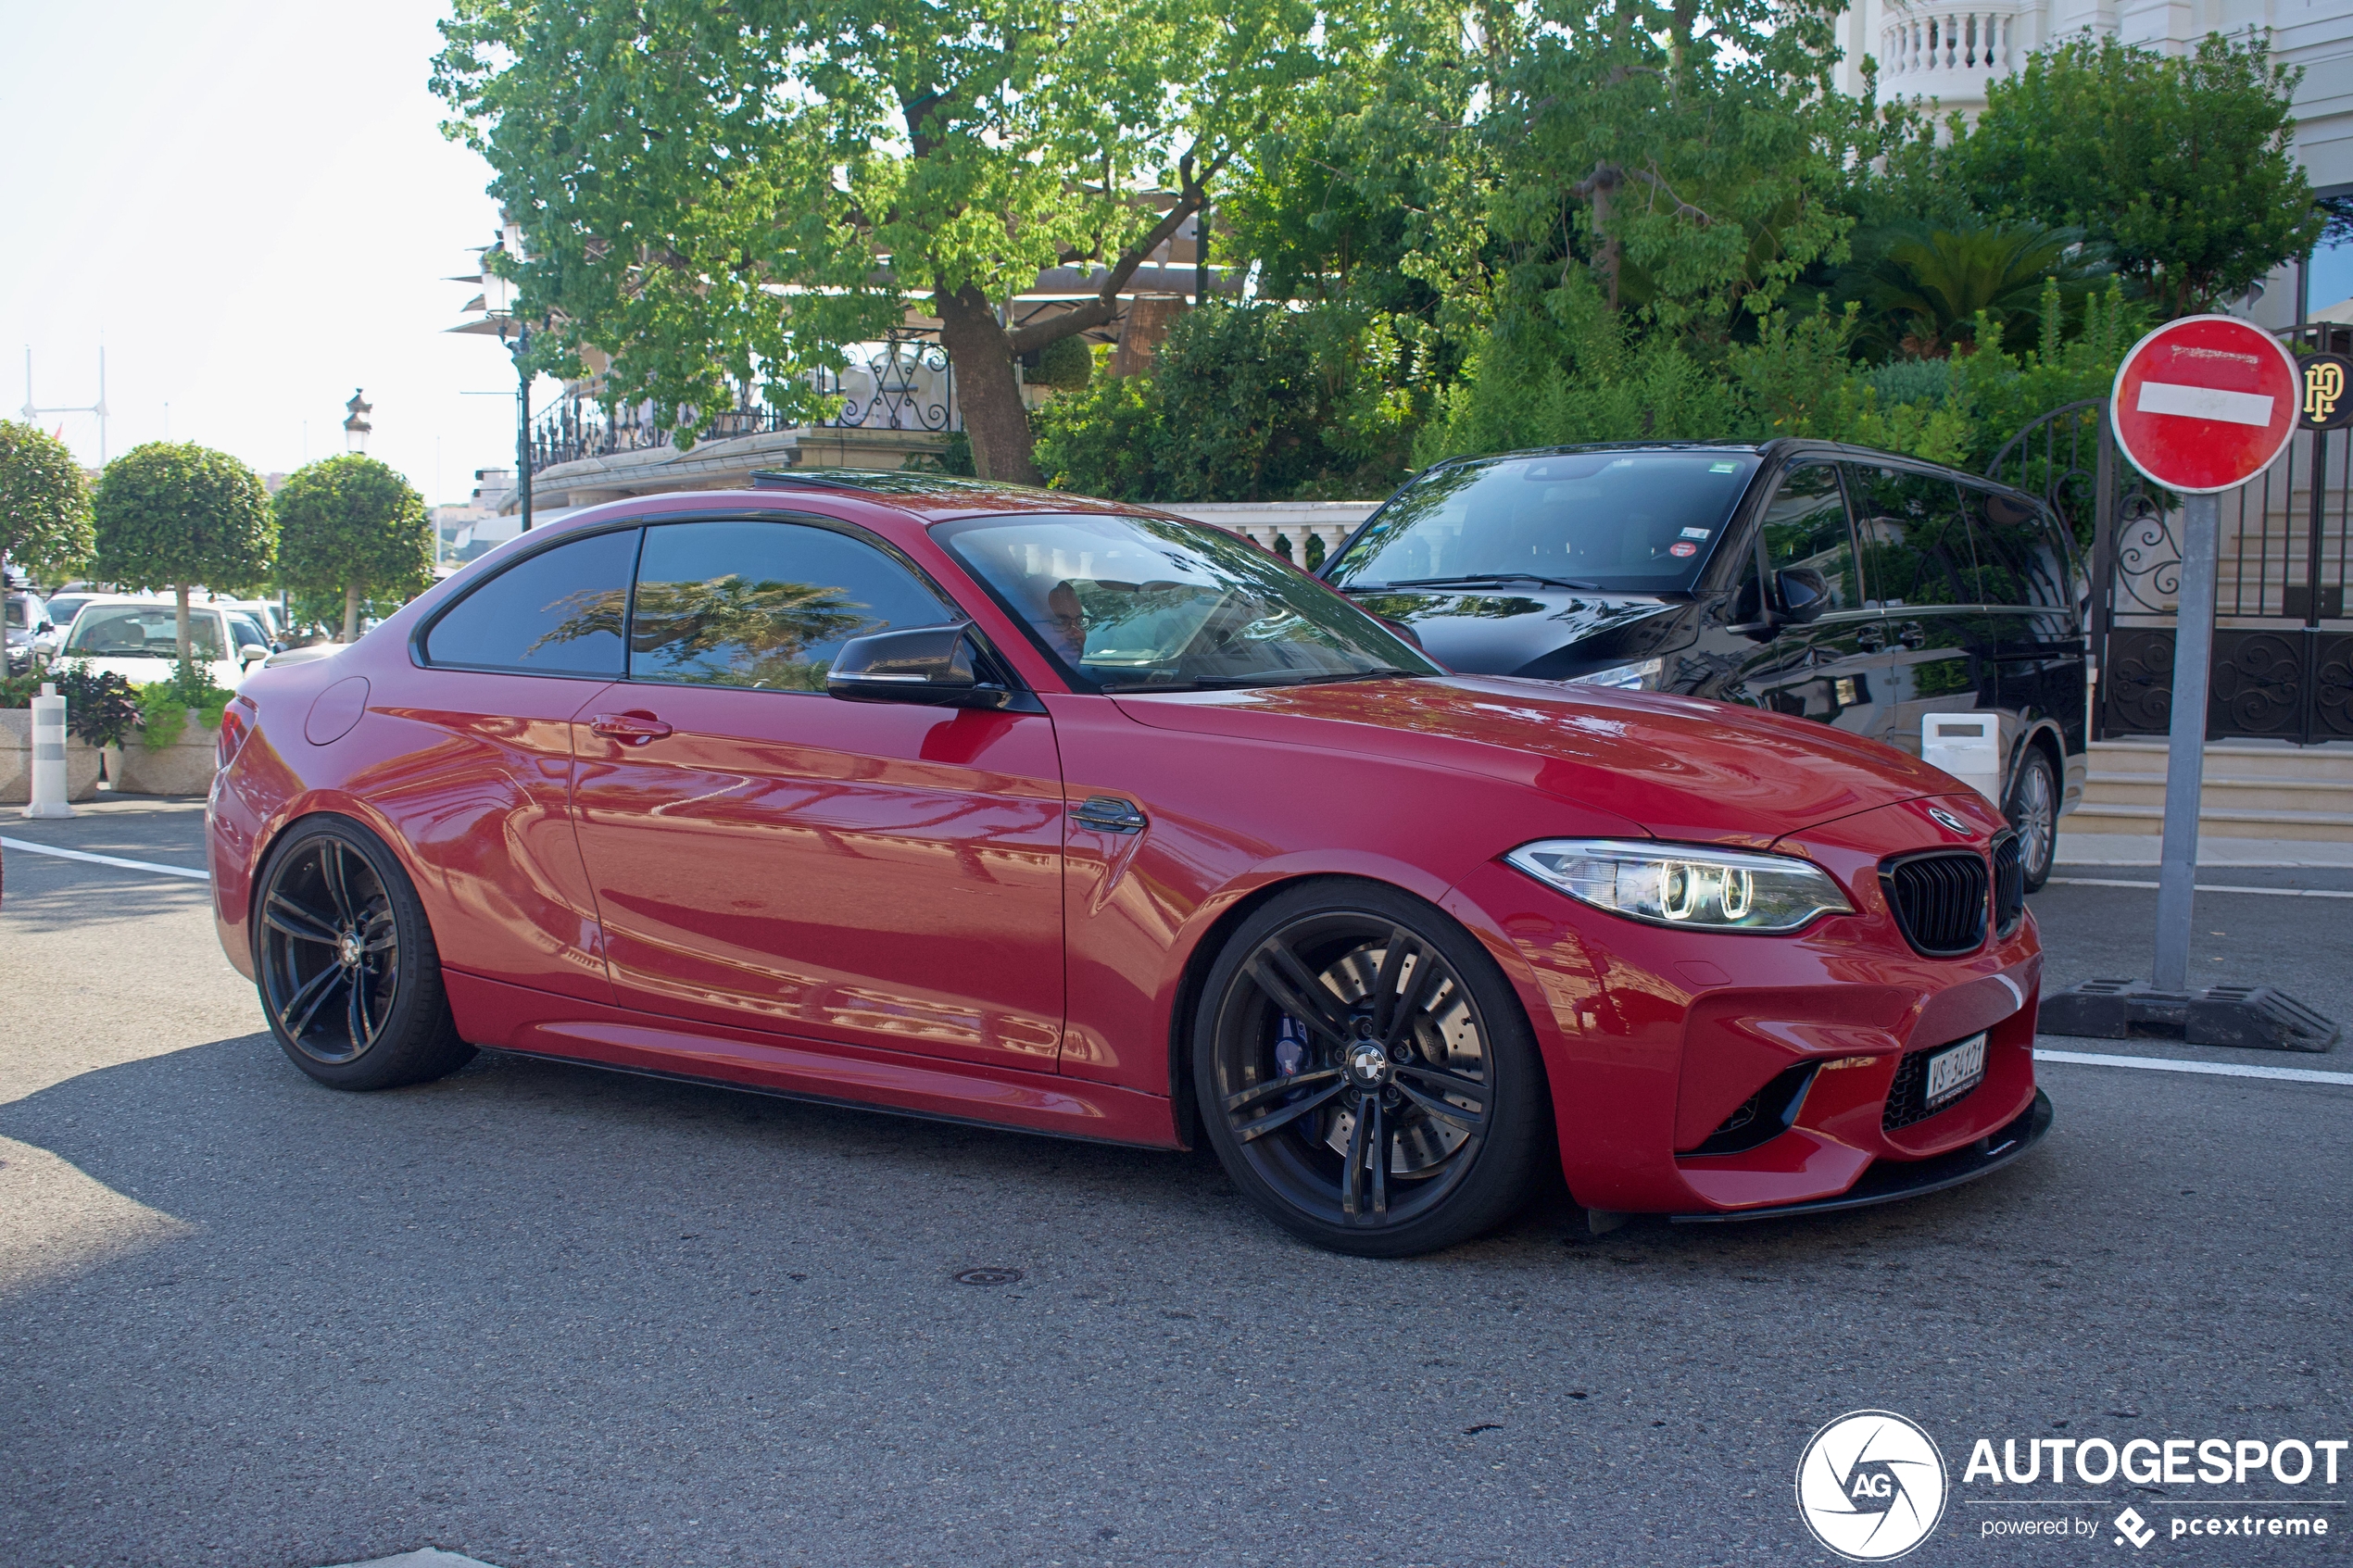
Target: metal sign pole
{"type": "Point", "coordinates": [2185, 753]}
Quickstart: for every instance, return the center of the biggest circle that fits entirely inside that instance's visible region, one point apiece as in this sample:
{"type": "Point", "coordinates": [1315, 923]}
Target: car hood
{"type": "Point", "coordinates": [1687, 770]}
{"type": "Point", "coordinates": [146, 672]}
{"type": "Point", "coordinates": [1505, 630]}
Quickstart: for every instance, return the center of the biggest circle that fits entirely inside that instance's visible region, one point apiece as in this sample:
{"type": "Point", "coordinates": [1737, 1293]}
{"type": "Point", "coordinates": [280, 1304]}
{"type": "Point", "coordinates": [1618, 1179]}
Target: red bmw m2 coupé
{"type": "Point", "coordinates": [1009, 807]}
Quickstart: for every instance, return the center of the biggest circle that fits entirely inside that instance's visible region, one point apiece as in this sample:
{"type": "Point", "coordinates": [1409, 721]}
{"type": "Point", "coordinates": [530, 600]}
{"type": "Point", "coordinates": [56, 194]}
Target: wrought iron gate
{"type": "Point", "coordinates": [2283, 642]}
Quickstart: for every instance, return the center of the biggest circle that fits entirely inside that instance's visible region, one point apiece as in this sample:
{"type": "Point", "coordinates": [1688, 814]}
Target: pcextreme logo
{"type": "Point", "coordinates": [1870, 1486]}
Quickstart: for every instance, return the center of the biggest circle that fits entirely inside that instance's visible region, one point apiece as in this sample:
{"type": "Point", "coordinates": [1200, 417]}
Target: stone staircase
{"type": "Point", "coordinates": [2253, 789]}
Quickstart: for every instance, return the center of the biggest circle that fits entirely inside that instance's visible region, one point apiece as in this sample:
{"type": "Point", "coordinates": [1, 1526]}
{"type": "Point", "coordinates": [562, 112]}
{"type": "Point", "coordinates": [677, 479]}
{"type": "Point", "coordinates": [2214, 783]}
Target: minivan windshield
{"type": "Point", "coordinates": [1130, 604]}
{"type": "Point", "coordinates": [1637, 521]}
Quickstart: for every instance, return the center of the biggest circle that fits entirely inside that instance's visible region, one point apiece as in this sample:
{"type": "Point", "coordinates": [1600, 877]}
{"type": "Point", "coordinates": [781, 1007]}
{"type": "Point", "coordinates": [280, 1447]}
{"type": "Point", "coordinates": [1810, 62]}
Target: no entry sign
{"type": "Point", "coordinates": [2206, 403]}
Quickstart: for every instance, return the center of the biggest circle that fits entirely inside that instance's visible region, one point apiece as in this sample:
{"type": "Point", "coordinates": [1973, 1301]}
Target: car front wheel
{"type": "Point", "coordinates": [345, 961]}
{"type": "Point", "coordinates": [2033, 812]}
{"type": "Point", "coordinates": [1366, 1073]}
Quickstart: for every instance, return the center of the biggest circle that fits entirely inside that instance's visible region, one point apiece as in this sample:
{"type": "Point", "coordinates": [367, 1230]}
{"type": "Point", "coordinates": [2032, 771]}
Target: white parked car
{"type": "Point", "coordinates": [138, 639]}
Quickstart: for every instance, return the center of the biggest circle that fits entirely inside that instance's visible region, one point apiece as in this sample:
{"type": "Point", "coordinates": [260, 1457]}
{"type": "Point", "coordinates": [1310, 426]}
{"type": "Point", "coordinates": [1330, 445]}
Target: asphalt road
{"type": "Point", "coordinates": [545, 1315]}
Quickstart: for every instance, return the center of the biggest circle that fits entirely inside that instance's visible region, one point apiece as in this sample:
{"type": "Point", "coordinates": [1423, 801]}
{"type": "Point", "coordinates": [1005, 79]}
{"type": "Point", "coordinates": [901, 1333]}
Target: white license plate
{"type": "Point", "coordinates": [1955, 1071]}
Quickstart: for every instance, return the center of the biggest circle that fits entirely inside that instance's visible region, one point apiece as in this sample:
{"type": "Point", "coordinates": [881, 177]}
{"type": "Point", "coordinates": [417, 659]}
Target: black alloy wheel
{"type": "Point", "coordinates": [345, 963]}
{"type": "Point", "coordinates": [2033, 811]}
{"type": "Point", "coordinates": [1366, 1075]}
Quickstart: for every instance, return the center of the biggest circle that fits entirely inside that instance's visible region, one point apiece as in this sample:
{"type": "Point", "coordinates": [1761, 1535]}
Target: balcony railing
{"type": "Point", "coordinates": [1966, 43]}
{"type": "Point", "coordinates": [904, 384]}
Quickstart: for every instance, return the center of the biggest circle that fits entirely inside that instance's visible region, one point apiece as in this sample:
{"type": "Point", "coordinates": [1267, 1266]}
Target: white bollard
{"type": "Point", "coordinates": [48, 755]}
{"type": "Point", "coordinates": [1968, 747]}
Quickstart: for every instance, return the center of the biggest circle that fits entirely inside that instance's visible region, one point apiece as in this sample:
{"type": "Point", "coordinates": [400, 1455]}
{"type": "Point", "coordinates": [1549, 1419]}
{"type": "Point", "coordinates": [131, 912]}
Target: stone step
{"type": "Point", "coordinates": [2236, 760]}
{"type": "Point", "coordinates": [2239, 794]}
{"type": "Point", "coordinates": [2233, 822]}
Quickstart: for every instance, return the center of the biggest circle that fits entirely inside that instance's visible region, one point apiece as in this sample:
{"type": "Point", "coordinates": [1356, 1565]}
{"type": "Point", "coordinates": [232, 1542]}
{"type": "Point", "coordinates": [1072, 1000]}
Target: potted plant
{"type": "Point", "coordinates": [17, 693]}
{"type": "Point", "coordinates": [179, 734]}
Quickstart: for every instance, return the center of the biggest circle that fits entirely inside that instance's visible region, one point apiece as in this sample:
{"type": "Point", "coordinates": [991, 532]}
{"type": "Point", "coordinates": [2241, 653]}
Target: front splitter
{"type": "Point", "coordinates": [1890, 1181]}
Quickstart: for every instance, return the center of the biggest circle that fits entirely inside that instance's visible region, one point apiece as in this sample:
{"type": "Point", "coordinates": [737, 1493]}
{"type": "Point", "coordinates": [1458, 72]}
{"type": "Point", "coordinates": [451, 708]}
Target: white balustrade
{"type": "Point", "coordinates": [1972, 43]}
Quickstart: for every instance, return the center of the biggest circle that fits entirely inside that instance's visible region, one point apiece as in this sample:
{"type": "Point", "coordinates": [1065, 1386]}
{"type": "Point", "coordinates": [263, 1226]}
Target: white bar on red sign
{"type": "Point", "coordinates": [2206, 403]}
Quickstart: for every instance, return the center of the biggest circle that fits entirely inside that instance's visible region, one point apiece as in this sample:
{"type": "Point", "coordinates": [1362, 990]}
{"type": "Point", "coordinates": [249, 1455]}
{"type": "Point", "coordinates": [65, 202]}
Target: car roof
{"type": "Point", "coordinates": [1778, 446]}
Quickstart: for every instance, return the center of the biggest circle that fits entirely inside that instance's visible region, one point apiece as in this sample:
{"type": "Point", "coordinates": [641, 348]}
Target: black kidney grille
{"type": "Point", "coordinates": [2010, 885]}
{"type": "Point", "coordinates": [1939, 900]}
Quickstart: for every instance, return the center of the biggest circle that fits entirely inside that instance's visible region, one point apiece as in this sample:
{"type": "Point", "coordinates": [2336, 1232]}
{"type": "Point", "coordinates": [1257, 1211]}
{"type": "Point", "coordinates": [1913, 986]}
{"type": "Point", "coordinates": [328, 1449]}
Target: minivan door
{"type": "Point", "coordinates": [1919, 573]}
{"type": "Point", "coordinates": [1831, 669]}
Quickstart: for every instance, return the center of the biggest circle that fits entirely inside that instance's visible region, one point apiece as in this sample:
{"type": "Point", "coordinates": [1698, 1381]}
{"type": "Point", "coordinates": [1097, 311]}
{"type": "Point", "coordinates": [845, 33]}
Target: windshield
{"type": "Point", "coordinates": [1125, 604]}
{"type": "Point", "coordinates": [1640, 522]}
{"type": "Point", "coordinates": [142, 632]}
{"type": "Point", "coordinates": [22, 611]}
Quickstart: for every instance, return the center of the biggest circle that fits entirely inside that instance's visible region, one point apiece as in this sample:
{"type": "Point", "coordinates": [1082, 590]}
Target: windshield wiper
{"type": "Point", "coordinates": [1470, 578]}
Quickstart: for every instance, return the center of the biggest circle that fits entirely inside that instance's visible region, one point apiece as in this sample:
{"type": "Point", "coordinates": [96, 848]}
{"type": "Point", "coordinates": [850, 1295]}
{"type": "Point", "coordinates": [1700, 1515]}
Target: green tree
{"type": "Point", "coordinates": [2185, 165]}
{"type": "Point", "coordinates": [44, 504]}
{"type": "Point", "coordinates": [725, 195]}
{"type": "Point", "coordinates": [350, 525]}
{"type": "Point", "coordinates": [174, 515]}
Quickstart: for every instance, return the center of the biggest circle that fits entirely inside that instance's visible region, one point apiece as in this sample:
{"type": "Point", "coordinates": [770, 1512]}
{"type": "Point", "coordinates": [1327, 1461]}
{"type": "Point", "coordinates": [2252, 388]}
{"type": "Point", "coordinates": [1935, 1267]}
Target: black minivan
{"type": "Point", "coordinates": [1853, 588]}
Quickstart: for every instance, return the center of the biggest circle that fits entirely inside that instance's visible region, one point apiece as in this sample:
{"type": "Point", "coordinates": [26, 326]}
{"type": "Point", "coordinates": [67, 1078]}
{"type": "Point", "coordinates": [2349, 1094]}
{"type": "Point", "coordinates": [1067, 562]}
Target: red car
{"type": "Point", "coordinates": [1009, 807]}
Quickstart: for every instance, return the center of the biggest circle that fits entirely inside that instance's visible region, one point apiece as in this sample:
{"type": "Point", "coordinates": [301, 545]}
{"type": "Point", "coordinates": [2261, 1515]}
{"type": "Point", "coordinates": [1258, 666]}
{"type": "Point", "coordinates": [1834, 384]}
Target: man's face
{"type": "Point", "coordinates": [1069, 623]}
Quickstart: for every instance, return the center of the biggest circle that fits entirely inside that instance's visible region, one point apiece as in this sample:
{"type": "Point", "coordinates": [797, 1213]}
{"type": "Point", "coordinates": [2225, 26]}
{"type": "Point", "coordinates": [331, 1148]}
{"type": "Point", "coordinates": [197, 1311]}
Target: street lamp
{"type": "Point", "coordinates": [355, 426]}
{"type": "Point", "coordinates": [498, 300]}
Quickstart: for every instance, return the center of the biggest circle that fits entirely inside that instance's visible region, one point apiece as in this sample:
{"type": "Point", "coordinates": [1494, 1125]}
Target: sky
{"type": "Point", "coordinates": [250, 205]}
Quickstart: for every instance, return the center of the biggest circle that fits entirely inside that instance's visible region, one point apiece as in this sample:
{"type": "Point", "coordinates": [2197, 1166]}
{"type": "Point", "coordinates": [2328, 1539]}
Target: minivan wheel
{"type": "Point", "coordinates": [2033, 812]}
{"type": "Point", "coordinates": [345, 961]}
{"type": "Point", "coordinates": [1366, 1073]}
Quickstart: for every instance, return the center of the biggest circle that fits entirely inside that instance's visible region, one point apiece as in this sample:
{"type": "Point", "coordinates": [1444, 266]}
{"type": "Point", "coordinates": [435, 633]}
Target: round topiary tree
{"type": "Point", "coordinates": [351, 525]}
{"type": "Point", "coordinates": [1064, 364]}
{"type": "Point", "coordinates": [174, 514]}
{"type": "Point", "coordinates": [44, 504]}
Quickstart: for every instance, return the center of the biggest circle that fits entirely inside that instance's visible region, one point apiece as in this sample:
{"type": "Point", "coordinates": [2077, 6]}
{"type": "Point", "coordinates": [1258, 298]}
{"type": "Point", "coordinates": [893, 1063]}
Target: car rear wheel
{"type": "Point", "coordinates": [1366, 1073]}
{"type": "Point", "coordinates": [345, 961]}
{"type": "Point", "coordinates": [2033, 812]}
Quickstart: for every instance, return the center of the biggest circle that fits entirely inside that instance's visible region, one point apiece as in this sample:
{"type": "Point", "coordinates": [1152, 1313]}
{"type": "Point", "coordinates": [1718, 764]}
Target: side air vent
{"type": "Point", "coordinates": [1765, 1115]}
{"type": "Point", "coordinates": [1940, 901]}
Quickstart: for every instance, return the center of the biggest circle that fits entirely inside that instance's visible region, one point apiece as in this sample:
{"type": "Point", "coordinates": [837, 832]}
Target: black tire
{"type": "Point", "coordinates": [2033, 812]}
{"type": "Point", "coordinates": [1314, 986]}
{"type": "Point", "coordinates": [345, 961]}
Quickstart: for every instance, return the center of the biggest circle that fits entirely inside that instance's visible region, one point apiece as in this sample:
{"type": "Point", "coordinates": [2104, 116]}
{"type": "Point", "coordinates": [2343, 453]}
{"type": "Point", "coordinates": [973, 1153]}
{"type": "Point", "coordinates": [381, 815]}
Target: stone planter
{"type": "Point", "coordinates": [16, 762]}
{"type": "Point", "coordinates": [184, 767]}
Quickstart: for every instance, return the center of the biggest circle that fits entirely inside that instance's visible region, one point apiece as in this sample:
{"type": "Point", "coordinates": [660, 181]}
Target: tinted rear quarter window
{"type": "Point", "coordinates": [559, 612]}
{"type": "Point", "coordinates": [2020, 559]}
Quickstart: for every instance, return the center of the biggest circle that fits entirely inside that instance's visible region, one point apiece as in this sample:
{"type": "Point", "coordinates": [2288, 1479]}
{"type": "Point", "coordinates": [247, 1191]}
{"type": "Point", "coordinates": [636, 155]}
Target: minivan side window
{"type": "Point", "coordinates": [1916, 546]}
{"type": "Point", "coordinates": [766, 605]}
{"type": "Point", "coordinates": [559, 613]}
{"type": "Point", "coordinates": [2020, 560]}
{"type": "Point", "coordinates": [1806, 525]}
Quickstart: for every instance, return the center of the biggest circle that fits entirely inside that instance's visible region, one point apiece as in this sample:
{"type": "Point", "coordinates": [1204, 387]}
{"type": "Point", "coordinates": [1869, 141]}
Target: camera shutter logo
{"type": "Point", "coordinates": [1872, 1486]}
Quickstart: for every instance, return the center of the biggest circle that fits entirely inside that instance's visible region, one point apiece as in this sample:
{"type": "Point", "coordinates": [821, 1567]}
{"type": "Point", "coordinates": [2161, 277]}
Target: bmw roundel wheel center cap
{"type": "Point", "coordinates": [1367, 1064]}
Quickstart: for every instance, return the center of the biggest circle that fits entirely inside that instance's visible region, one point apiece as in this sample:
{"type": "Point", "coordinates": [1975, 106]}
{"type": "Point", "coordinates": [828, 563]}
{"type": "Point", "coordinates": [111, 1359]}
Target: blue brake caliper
{"type": "Point", "coordinates": [1291, 1046]}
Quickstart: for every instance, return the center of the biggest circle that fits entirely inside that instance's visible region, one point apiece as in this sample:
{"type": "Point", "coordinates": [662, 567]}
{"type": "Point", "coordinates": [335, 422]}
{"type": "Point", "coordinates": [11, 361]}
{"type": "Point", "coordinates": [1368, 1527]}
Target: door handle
{"type": "Point", "coordinates": [1108, 813]}
{"type": "Point", "coordinates": [630, 729]}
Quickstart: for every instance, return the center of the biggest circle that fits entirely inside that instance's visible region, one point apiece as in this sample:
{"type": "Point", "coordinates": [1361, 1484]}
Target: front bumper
{"type": "Point", "coordinates": [1657, 1040]}
{"type": "Point", "coordinates": [1890, 1182]}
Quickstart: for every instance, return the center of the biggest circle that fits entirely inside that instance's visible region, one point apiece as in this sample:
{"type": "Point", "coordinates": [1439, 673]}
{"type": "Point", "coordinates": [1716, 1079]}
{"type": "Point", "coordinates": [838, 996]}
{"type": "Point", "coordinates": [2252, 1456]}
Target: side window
{"type": "Point", "coordinates": [248, 632]}
{"type": "Point", "coordinates": [764, 604]}
{"type": "Point", "coordinates": [1916, 548]}
{"type": "Point", "coordinates": [1806, 525]}
{"type": "Point", "coordinates": [559, 613]}
{"type": "Point", "coordinates": [2020, 560]}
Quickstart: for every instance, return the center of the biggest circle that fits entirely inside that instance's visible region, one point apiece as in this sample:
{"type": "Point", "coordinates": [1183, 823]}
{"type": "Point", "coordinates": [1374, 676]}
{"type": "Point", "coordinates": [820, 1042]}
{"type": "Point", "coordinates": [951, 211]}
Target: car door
{"type": "Point", "coordinates": [768, 856]}
{"type": "Point", "coordinates": [481, 791]}
{"type": "Point", "coordinates": [1919, 573]}
{"type": "Point", "coordinates": [1830, 669]}
{"type": "Point", "coordinates": [2026, 579]}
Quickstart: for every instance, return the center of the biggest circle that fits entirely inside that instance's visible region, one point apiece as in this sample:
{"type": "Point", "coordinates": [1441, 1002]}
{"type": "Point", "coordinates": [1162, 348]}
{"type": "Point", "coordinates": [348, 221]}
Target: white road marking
{"type": "Point", "coordinates": [2209, 887]}
{"type": "Point", "coordinates": [2213, 1069]}
{"type": "Point", "coordinates": [102, 860]}
{"type": "Point", "coordinates": [2206, 403]}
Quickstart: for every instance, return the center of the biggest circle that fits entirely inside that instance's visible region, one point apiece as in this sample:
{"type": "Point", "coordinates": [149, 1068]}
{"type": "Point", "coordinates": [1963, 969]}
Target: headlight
{"type": "Point", "coordinates": [1683, 884]}
{"type": "Point", "coordinates": [1641, 676]}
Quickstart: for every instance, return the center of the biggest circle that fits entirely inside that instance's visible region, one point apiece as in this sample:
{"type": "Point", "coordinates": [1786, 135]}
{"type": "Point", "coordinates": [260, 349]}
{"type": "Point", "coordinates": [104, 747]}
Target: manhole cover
{"type": "Point", "coordinates": [990, 1276]}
